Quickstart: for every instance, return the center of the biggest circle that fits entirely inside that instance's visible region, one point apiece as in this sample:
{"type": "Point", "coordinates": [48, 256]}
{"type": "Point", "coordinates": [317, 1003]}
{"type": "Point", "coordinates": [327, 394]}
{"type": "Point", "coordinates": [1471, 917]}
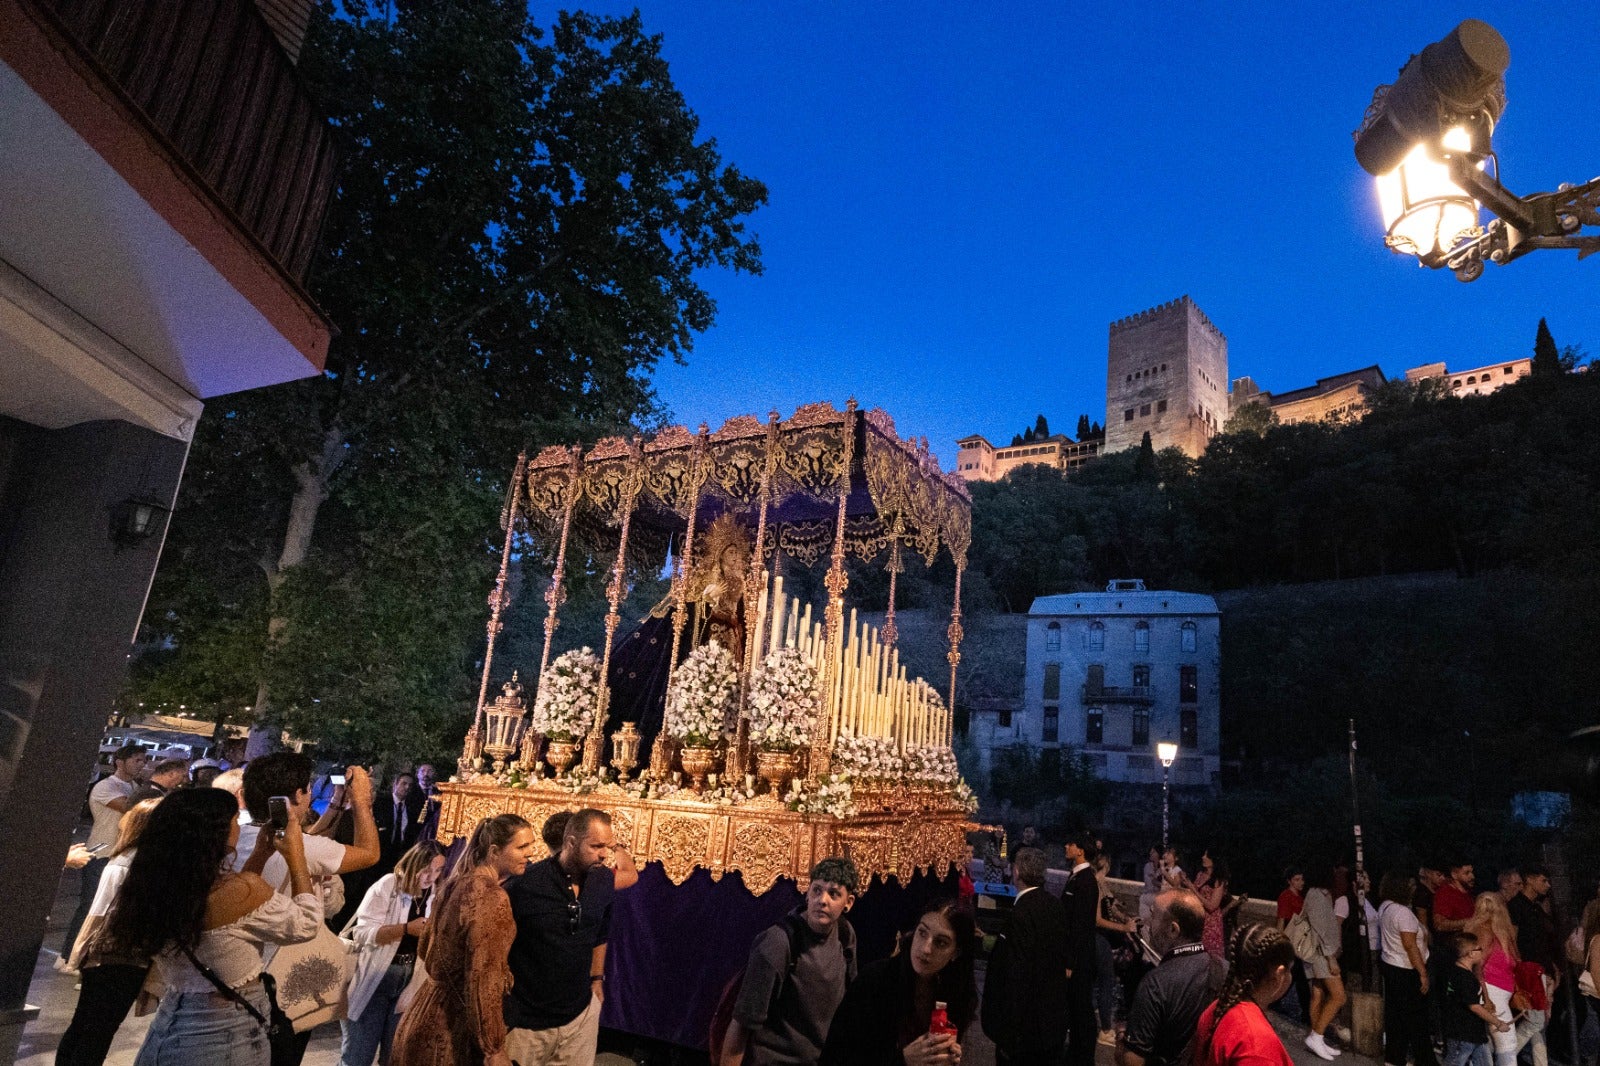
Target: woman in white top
{"type": "Point", "coordinates": [390, 921]}
{"type": "Point", "coordinates": [183, 906]}
{"type": "Point", "coordinates": [109, 984]}
{"type": "Point", "coordinates": [1403, 958]}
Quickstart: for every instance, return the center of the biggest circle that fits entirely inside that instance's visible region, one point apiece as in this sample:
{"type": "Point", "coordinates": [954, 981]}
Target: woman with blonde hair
{"type": "Point", "coordinates": [110, 983]}
{"type": "Point", "coordinates": [387, 929]}
{"type": "Point", "coordinates": [1491, 924]}
{"type": "Point", "coordinates": [458, 1017]}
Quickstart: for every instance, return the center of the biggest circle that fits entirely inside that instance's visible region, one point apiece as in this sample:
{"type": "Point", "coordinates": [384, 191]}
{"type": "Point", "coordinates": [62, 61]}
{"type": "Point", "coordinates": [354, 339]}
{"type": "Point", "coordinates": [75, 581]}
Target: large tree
{"type": "Point", "coordinates": [522, 224]}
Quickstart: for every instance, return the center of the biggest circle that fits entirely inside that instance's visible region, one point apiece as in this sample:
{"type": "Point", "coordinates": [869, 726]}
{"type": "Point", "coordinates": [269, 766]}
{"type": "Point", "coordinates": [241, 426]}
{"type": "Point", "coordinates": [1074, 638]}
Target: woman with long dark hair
{"type": "Point", "coordinates": [457, 1019]}
{"type": "Point", "coordinates": [1233, 1030]}
{"type": "Point", "coordinates": [885, 1016]}
{"type": "Point", "coordinates": [109, 983]}
{"type": "Point", "coordinates": [205, 925]}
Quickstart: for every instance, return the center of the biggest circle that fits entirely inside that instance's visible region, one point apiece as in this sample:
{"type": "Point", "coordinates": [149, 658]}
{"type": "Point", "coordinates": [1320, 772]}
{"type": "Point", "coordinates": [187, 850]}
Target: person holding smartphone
{"type": "Point", "coordinates": [205, 926]}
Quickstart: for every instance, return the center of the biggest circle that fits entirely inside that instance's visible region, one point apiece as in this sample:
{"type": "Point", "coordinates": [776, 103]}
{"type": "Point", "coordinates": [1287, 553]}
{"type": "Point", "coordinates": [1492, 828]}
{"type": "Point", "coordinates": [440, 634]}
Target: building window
{"type": "Point", "coordinates": [1052, 724]}
{"type": "Point", "coordinates": [1188, 684]}
{"type": "Point", "coordinates": [1141, 676]}
{"type": "Point", "coordinates": [1161, 405]}
{"type": "Point", "coordinates": [1472, 381]}
{"type": "Point", "coordinates": [1052, 637]}
{"type": "Point", "coordinates": [1127, 416]}
{"type": "Point", "coordinates": [1144, 409]}
{"type": "Point", "coordinates": [1141, 637]}
{"type": "Point", "coordinates": [1456, 384]}
{"type": "Point", "coordinates": [1141, 727]}
{"type": "Point", "coordinates": [1095, 682]}
{"type": "Point", "coordinates": [1052, 681]}
{"type": "Point", "coordinates": [1004, 719]}
{"type": "Point", "coordinates": [1189, 729]}
{"type": "Point", "coordinates": [1094, 729]}
{"type": "Point", "coordinates": [1508, 371]}
{"type": "Point", "coordinates": [1189, 634]}
{"type": "Point", "coordinates": [1097, 636]}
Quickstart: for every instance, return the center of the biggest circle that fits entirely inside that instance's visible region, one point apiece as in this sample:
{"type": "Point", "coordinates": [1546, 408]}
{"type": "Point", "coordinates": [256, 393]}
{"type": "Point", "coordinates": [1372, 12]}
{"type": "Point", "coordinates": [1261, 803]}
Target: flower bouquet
{"type": "Point", "coordinates": [564, 709]}
{"type": "Point", "coordinates": [833, 795]}
{"type": "Point", "coordinates": [932, 765]}
{"type": "Point", "coordinates": [783, 702]}
{"type": "Point", "coordinates": [701, 697]}
{"type": "Point", "coordinates": [868, 760]}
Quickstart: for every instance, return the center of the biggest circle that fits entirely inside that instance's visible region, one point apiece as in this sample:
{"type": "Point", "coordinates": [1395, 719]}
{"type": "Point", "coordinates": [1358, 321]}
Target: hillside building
{"type": "Point", "coordinates": [978, 460]}
{"type": "Point", "coordinates": [1477, 382]}
{"type": "Point", "coordinates": [1337, 398]}
{"type": "Point", "coordinates": [1166, 375]}
{"type": "Point", "coordinates": [1112, 673]}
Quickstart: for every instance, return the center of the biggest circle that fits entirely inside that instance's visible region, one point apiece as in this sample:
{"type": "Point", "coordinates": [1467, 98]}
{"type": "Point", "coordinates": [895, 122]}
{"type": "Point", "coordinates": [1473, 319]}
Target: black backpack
{"type": "Point", "coordinates": [722, 1017]}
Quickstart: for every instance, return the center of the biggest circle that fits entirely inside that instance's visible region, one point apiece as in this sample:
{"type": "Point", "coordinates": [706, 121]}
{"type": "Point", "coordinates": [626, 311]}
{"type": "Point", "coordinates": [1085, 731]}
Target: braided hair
{"type": "Point", "coordinates": [1255, 951]}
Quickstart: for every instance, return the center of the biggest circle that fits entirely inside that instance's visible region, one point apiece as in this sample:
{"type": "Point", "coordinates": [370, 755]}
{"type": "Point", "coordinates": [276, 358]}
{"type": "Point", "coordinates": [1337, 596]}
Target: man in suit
{"type": "Point", "coordinates": [396, 816]}
{"type": "Point", "coordinates": [1081, 901]}
{"type": "Point", "coordinates": [1025, 989]}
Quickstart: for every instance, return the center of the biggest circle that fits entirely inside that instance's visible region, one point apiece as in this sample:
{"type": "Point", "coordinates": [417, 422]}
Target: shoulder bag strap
{"type": "Point", "coordinates": [227, 993]}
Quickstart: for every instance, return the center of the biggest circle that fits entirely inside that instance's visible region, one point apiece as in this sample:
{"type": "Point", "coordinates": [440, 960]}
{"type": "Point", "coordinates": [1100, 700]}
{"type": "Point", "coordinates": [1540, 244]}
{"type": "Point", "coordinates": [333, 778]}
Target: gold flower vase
{"type": "Point", "coordinates": [777, 768]}
{"type": "Point", "coordinates": [561, 754]}
{"type": "Point", "coordinates": [698, 761]}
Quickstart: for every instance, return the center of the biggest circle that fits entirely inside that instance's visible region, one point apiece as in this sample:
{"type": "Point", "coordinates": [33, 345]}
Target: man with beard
{"type": "Point", "coordinates": [562, 908]}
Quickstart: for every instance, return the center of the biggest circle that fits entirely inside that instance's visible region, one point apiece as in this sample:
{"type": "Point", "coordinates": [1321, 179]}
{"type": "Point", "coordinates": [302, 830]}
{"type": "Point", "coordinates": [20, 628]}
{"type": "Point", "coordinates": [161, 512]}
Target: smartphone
{"type": "Point", "coordinates": [337, 779]}
{"type": "Point", "coordinates": [278, 819]}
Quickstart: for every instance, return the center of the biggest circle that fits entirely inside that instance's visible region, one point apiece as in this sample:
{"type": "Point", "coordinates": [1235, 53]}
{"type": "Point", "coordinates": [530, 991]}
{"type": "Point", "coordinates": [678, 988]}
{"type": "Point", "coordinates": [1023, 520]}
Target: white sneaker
{"type": "Point", "coordinates": [1319, 1047]}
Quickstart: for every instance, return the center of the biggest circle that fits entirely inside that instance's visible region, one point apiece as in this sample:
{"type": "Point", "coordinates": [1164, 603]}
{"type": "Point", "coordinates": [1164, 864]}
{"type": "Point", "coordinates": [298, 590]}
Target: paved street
{"type": "Point", "coordinates": [54, 993]}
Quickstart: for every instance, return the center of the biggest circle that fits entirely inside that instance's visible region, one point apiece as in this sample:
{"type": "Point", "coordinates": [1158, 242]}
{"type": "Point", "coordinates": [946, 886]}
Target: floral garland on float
{"type": "Point", "coordinates": [700, 701]}
{"type": "Point", "coordinates": [564, 708]}
{"type": "Point", "coordinates": [784, 706]}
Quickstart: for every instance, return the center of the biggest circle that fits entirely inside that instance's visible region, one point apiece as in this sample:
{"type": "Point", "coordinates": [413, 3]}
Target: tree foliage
{"type": "Point", "coordinates": [522, 228]}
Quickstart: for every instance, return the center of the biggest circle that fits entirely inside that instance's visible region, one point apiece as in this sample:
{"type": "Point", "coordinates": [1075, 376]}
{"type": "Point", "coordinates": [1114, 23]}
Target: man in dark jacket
{"type": "Point", "coordinates": [1081, 900]}
{"type": "Point", "coordinates": [1025, 988]}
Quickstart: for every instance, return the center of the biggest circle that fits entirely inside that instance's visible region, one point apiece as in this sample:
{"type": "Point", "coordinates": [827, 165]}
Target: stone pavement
{"type": "Point", "coordinates": [54, 994]}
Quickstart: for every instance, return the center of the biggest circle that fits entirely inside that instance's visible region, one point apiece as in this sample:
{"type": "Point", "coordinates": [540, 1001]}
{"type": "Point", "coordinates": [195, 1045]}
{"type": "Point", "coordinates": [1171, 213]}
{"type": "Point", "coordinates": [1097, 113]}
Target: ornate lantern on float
{"type": "Point", "coordinates": [503, 722]}
{"type": "Point", "coordinates": [625, 750]}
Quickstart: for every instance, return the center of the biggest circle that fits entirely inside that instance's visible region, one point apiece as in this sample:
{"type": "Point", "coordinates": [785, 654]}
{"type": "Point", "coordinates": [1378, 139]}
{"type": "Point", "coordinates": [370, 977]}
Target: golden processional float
{"type": "Point", "coordinates": [779, 738]}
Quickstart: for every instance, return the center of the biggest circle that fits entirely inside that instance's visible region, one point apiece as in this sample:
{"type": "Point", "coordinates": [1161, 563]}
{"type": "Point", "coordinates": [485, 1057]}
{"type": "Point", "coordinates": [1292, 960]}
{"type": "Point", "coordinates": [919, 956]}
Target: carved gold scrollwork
{"type": "Point", "coordinates": [762, 852]}
{"type": "Point", "coordinates": [547, 493]}
{"type": "Point", "coordinates": [805, 541]}
{"type": "Point", "coordinates": [670, 480]}
{"type": "Point", "coordinates": [681, 843]}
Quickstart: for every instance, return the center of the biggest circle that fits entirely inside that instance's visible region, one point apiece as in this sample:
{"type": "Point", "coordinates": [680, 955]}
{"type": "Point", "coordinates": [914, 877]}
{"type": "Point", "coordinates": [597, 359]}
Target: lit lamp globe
{"type": "Point", "coordinates": [1425, 212]}
{"type": "Point", "coordinates": [1167, 752]}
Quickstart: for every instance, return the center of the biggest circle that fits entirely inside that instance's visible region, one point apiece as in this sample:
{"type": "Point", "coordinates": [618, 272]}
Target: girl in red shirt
{"type": "Point", "coordinates": [1233, 1031]}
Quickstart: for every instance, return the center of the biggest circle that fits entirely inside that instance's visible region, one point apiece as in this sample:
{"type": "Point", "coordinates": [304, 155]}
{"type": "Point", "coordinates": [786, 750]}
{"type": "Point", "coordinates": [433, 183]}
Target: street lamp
{"type": "Point", "coordinates": [1428, 140]}
{"type": "Point", "coordinates": [1167, 752]}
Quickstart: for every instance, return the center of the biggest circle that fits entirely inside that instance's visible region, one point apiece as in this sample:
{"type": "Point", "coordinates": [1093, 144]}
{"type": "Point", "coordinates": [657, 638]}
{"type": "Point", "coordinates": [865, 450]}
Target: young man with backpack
{"type": "Point", "coordinates": [782, 1005]}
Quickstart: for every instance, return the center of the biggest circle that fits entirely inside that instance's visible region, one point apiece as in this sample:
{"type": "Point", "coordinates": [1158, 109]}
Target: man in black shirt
{"type": "Point", "coordinates": [1081, 898]}
{"type": "Point", "coordinates": [1167, 1006]}
{"type": "Point", "coordinates": [562, 908]}
{"type": "Point", "coordinates": [1536, 942]}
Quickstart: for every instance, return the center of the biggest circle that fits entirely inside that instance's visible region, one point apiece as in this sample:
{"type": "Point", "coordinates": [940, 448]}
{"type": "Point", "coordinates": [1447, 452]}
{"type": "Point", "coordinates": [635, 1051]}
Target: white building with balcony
{"type": "Point", "coordinates": [1113, 673]}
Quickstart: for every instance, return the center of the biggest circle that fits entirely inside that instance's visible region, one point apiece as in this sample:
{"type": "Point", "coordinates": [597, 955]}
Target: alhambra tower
{"type": "Point", "coordinates": [1166, 375]}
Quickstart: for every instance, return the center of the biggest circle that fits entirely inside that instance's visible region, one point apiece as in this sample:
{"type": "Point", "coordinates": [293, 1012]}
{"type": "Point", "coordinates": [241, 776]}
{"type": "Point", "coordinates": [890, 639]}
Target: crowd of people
{"type": "Point", "coordinates": [195, 884]}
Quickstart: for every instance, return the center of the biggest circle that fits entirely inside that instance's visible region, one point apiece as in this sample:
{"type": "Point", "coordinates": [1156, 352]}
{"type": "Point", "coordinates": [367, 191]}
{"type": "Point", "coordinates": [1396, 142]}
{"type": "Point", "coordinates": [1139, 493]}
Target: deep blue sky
{"type": "Point", "coordinates": [964, 196]}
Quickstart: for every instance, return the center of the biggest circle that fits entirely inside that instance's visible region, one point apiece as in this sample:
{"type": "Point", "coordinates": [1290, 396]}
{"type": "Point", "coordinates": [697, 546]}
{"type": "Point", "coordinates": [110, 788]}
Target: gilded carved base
{"type": "Point", "coordinates": [897, 832]}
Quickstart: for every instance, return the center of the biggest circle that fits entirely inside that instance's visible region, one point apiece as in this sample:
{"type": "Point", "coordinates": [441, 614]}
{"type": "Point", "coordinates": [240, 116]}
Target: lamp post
{"type": "Point", "coordinates": [1167, 752]}
{"type": "Point", "coordinates": [1428, 140]}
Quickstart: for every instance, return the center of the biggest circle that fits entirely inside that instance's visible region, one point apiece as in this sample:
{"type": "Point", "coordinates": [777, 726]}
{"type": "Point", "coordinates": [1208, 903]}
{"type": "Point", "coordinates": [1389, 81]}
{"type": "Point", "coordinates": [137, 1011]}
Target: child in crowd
{"type": "Point", "coordinates": [1467, 1019]}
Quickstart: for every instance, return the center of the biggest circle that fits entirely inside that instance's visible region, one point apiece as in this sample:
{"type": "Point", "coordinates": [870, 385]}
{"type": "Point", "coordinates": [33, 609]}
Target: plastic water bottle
{"type": "Point", "coordinates": [940, 1024]}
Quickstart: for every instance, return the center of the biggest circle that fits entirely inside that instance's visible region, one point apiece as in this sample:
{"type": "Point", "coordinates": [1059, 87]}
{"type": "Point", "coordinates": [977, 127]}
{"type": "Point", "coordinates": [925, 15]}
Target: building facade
{"type": "Point", "coordinates": [1166, 375]}
{"type": "Point", "coordinates": [1113, 673]}
{"type": "Point", "coordinates": [1341, 397]}
{"type": "Point", "coordinates": [163, 179]}
{"type": "Point", "coordinates": [1476, 382]}
{"type": "Point", "coordinates": [978, 460]}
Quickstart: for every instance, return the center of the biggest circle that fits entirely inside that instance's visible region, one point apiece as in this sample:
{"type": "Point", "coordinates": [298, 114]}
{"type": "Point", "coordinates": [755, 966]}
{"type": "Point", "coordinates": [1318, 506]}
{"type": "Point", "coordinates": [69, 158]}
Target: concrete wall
{"type": "Point", "coordinates": [70, 601]}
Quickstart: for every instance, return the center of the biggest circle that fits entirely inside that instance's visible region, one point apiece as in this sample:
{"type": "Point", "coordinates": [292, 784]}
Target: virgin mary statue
{"type": "Point", "coordinates": [714, 602]}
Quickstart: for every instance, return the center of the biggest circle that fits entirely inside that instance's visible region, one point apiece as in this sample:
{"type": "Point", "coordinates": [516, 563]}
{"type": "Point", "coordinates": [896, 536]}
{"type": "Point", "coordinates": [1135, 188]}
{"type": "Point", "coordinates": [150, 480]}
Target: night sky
{"type": "Point", "coordinates": [963, 197]}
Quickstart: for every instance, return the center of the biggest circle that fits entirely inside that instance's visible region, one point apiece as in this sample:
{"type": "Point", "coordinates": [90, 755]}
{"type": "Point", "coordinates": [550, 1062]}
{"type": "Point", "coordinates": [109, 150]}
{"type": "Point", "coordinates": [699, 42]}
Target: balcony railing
{"type": "Point", "coordinates": [1115, 694]}
{"type": "Point", "coordinates": [215, 84]}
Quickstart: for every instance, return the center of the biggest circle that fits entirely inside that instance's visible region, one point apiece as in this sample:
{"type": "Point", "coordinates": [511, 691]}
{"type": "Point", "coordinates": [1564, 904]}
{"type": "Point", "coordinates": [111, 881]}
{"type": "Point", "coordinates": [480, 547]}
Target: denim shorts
{"type": "Point", "coordinates": [193, 1029]}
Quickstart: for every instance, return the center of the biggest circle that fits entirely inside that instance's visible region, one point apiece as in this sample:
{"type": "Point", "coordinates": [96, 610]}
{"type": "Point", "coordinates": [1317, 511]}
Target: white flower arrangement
{"type": "Point", "coordinates": [933, 765]}
{"type": "Point", "coordinates": [728, 795]}
{"type": "Point", "coordinates": [564, 708]}
{"type": "Point", "coordinates": [833, 795]}
{"type": "Point", "coordinates": [966, 797]}
{"type": "Point", "coordinates": [702, 696]}
{"type": "Point", "coordinates": [867, 759]}
{"type": "Point", "coordinates": [783, 702]}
